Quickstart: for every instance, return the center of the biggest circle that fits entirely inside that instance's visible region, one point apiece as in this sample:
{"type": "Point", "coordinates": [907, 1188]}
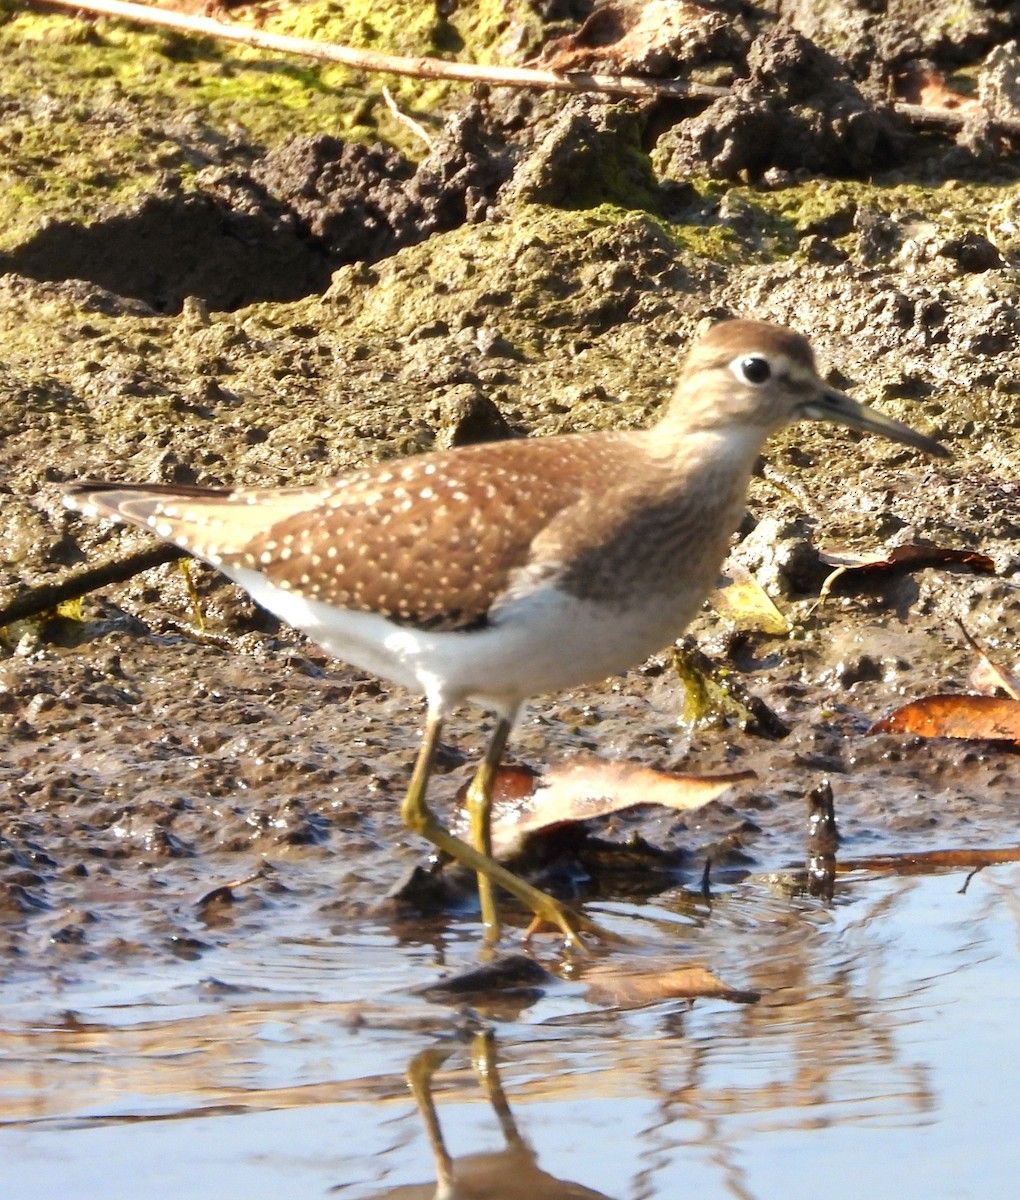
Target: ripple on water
{"type": "Point", "coordinates": [882, 1019]}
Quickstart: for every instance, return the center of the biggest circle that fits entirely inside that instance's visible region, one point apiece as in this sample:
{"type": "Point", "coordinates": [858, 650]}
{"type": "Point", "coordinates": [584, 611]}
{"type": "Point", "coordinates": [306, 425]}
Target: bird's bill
{"type": "Point", "coordinates": [844, 410]}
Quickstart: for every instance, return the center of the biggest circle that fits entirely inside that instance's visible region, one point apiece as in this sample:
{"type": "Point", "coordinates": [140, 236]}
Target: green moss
{"type": "Point", "coordinates": [551, 268]}
{"type": "Point", "coordinates": [746, 224]}
{"type": "Point", "coordinates": [716, 243]}
{"type": "Point", "coordinates": [485, 31]}
{"type": "Point", "coordinates": [56, 71]}
{"type": "Point", "coordinates": [590, 157]}
{"type": "Point", "coordinates": [813, 204]}
{"type": "Point", "coordinates": [398, 27]}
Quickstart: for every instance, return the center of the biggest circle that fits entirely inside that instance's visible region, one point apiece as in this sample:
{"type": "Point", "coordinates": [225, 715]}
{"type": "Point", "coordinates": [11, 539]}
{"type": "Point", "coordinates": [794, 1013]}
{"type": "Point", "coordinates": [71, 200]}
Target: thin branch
{"type": "Point", "coordinates": [952, 120]}
{"type": "Point", "coordinates": [418, 67]}
{"type": "Point", "coordinates": [43, 599]}
{"type": "Point", "coordinates": [418, 130]}
{"type": "Point", "coordinates": [922, 862]}
{"type": "Point", "coordinates": [946, 119]}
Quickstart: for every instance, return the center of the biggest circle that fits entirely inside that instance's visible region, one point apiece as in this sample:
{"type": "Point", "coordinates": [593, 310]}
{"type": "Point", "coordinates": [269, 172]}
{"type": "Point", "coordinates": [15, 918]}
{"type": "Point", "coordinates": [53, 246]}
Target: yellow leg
{"type": "Point", "coordinates": [420, 1074]}
{"type": "Point", "coordinates": [423, 1067]}
{"type": "Point", "coordinates": [486, 1065]}
{"type": "Point", "coordinates": [419, 817]}
{"type": "Point", "coordinates": [479, 803]}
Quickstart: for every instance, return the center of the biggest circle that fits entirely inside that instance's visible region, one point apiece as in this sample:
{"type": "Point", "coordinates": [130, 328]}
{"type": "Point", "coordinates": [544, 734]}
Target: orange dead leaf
{"type": "Point", "coordinates": [929, 89]}
{"type": "Point", "coordinates": [514, 784]}
{"type": "Point", "coordinates": [901, 558]}
{"type": "Point", "coordinates": [955, 716]}
{"type": "Point", "coordinates": [582, 789]}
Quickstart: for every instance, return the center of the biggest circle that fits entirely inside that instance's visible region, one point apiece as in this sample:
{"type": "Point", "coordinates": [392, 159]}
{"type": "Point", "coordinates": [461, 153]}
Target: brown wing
{"type": "Point", "coordinates": [211, 523]}
{"type": "Point", "coordinates": [431, 541]}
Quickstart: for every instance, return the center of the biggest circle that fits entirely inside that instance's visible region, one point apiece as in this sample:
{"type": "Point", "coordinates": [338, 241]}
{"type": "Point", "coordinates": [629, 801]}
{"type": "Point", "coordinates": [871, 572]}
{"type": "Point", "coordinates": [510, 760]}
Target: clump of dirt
{"type": "Point", "coordinates": [875, 40]}
{"type": "Point", "coordinates": [279, 229]}
{"type": "Point", "coordinates": [797, 110]}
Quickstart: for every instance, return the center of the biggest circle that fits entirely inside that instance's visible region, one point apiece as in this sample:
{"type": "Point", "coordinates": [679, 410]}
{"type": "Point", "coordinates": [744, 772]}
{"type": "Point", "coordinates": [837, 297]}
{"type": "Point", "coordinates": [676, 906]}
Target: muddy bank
{"type": "Point", "coordinates": [277, 303]}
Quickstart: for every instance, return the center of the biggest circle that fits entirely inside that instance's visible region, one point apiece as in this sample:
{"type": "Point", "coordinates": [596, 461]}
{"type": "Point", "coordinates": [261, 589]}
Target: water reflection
{"type": "Point", "coordinates": [512, 1173]}
{"type": "Point", "coordinates": [865, 1065]}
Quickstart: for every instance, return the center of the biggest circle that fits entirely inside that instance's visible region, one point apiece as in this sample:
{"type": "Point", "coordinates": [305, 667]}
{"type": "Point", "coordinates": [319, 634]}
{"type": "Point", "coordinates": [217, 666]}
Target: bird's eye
{"type": "Point", "coordinates": [754, 369]}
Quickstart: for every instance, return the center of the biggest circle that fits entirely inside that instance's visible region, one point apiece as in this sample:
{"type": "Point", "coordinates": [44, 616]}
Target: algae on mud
{"type": "Point", "coordinates": [130, 744]}
{"type": "Point", "coordinates": [120, 108]}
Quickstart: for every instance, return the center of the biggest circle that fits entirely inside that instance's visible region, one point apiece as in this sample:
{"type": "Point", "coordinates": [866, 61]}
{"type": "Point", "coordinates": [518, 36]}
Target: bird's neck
{"type": "Point", "coordinates": [725, 451]}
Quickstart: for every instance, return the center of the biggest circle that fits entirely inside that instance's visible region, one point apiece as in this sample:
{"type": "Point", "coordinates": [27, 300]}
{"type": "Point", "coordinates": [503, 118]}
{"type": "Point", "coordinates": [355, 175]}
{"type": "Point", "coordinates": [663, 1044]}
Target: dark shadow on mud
{"type": "Point", "coordinates": [171, 247]}
{"type": "Point", "coordinates": [277, 231]}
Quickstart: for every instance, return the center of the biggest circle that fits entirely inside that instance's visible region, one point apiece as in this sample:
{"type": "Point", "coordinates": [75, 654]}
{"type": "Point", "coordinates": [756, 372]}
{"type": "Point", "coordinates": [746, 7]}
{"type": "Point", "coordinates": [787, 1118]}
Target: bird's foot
{"type": "Point", "coordinates": [551, 914]}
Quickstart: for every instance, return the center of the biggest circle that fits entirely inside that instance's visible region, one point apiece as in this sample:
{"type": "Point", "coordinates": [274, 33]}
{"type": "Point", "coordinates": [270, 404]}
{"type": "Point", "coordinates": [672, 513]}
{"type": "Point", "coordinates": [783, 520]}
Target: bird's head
{"type": "Point", "coordinates": [758, 377]}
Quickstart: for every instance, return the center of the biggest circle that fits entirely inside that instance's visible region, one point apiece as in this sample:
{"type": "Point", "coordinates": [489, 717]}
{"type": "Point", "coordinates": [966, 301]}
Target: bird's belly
{"type": "Point", "coordinates": [542, 642]}
{"type": "Point", "coordinates": [549, 640]}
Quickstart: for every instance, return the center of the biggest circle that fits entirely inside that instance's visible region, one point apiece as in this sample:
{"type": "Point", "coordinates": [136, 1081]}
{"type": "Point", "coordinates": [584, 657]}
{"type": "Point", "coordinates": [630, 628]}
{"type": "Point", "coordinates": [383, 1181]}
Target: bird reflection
{"type": "Point", "coordinates": [512, 1173]}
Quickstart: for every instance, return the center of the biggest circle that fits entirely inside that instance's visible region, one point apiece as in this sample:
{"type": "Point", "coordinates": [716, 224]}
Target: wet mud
{"type": "Point", "coordinates": [298, 303]}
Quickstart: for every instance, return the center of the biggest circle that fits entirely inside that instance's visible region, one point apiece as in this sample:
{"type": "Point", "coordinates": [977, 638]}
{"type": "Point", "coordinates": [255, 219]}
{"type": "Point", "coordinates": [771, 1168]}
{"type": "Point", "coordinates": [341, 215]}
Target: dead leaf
{"type": "Point", "coordinates": [901, 558]}
{"type": "Point", "coordinates": [928, 88]}
{"type": "Point", "coordinates": [743, 601]}
{"type": "Point", "coordinates": [582, 789]}
{"type": "Point", "coordinates": [628, 985]}
{"type": "Point", "coordinates": [955, 716]}
{"type": "Point", "coordinates": [650, 37]}
{"type": "Point", "coordinates": [618, 984]}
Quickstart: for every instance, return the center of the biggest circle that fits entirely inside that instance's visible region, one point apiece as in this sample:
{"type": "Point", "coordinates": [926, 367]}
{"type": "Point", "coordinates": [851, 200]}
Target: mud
{"type": "Point", "coordinates": [274, 305]}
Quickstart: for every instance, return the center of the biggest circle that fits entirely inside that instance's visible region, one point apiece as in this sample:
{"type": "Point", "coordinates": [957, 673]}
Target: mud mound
{"type": "Point", "coordinates": [278, 230]}
{"type": "Point", "coordinates": [798, 110]}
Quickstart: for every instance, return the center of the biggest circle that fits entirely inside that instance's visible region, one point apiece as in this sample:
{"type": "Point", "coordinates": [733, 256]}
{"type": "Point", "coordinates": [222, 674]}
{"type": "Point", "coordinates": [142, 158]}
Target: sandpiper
{"type": "Point", "coordinates": [495, 572]}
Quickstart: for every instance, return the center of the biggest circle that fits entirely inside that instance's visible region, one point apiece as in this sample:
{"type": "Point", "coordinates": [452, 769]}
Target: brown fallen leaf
{"type": "Point", "coordinates": [928, 88]}
{"type": "Point", "coordinates": [955, 716]}
{"type": "Point", "coordinates": [901, 558]}
{"type": "Point", "coordinates": [630, 985]}
{"type": "Point", "coordinates": [585, 788]}
{"type": "Point", "coordinates": [620, 984]}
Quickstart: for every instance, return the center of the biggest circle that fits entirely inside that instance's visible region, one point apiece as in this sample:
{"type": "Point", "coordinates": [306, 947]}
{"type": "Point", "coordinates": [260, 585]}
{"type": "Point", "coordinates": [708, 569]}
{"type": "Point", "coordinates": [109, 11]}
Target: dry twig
{"type": "Point", "coordinates": [418, 130]}
{"type": "Point", "coordinates": [37, 601]}
{"type": "Point", "coordinates": [946, 119]}
{"type": "Point", "coordinates": [419, 67]}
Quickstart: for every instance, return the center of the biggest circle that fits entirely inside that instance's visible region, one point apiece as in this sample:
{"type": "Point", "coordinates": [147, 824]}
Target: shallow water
{"type": "Point", "coordinates": [878, 1061]}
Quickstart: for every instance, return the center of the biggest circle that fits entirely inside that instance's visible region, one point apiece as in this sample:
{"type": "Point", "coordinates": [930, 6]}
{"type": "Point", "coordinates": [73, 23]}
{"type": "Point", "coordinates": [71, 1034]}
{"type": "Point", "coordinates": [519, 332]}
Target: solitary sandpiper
{"type": "Point", "coordinates": [494, 572]}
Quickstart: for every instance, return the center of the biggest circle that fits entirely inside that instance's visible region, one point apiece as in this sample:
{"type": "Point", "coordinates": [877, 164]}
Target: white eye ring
{"type": "Point", "coordinates": [754, 369]}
